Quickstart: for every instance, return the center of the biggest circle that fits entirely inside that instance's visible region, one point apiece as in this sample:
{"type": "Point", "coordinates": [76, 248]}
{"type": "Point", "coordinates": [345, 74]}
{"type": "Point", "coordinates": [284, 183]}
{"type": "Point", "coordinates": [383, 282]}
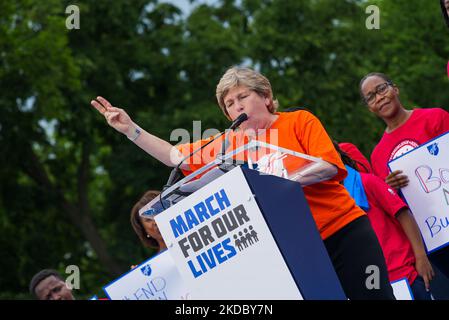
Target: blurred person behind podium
{"type": "Point", "coordinates": [146, 227]}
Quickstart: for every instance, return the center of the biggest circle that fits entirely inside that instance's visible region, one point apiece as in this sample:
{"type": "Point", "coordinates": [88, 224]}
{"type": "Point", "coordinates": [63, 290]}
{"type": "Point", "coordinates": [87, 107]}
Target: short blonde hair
{"type": "Point", "coordinates": [241, 76]}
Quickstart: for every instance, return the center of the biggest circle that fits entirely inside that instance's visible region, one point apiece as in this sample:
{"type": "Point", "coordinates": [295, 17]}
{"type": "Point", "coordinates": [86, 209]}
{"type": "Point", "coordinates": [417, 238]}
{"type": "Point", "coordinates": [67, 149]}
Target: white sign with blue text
{"type": "Point", "coordinates": [155, 279]}
{"type": "Point", "coordinates": [222, 245]}
{"type": "Point", "coordinates": [402, 290]}
{"type": "Point", "coordinates": [427, 193]}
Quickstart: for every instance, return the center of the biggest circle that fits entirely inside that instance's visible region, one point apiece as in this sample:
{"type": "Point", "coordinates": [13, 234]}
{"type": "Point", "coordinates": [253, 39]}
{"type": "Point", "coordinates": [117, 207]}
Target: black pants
{"type": "Point", "coordinates": [440, 283]}
{"type": "Point", "coordinates": [359, 262]}
{"type": "Point", "coordinates": [419, 289]}
{"type": "Point", "coordinates": [441, 259]}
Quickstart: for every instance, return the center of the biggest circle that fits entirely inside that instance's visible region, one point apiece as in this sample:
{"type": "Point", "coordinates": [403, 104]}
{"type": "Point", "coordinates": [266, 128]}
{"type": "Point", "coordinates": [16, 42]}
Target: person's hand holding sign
{"type": "Point", "coordinates": [115, 117]}
{"type": "Point", "coordinates": [397, 180]}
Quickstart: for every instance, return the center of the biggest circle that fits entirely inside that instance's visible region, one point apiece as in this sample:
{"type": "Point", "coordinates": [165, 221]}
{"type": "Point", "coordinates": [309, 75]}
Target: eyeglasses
{"type": "Point", "coordinates": [381, 90]}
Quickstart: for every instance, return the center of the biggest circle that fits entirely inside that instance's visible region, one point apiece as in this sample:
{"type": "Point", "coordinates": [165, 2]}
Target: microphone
{"type": "Point", "coordinates": [176, 173]}
{"type": "Point", "coordinates": [237, 122]}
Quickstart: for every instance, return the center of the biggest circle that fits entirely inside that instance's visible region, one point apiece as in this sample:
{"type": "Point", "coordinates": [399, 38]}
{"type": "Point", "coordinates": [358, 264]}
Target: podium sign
{"type": "Point", "coordinates": [427, 193]}
{"type": "Point", "coordinates": [222, 245]}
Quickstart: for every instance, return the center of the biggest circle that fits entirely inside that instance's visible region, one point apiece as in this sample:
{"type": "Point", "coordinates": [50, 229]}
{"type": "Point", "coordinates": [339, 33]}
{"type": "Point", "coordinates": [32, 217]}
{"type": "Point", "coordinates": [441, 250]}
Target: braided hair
{"type": "Point", "coordinates": [347, 160]}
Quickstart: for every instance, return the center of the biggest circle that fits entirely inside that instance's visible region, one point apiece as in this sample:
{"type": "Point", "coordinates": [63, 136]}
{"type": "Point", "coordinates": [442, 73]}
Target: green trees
{"type": "Point", "coordinates": [68, 181]}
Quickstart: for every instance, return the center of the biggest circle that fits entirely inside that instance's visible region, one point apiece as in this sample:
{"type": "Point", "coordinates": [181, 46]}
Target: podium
{"type": "Point", "coordinates": [246, 234]}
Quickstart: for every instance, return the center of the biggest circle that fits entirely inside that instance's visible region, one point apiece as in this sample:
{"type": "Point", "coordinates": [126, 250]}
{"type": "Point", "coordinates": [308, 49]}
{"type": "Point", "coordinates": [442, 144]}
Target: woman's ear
{"type": "Point", "coordinates": [267, 101]}
{"type": "Point", "coordinates": [396, 89]}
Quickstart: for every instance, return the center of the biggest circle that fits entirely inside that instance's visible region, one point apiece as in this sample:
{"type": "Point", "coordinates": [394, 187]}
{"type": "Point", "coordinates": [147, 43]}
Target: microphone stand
{"type": "Point", "coordinates": [176, 173]}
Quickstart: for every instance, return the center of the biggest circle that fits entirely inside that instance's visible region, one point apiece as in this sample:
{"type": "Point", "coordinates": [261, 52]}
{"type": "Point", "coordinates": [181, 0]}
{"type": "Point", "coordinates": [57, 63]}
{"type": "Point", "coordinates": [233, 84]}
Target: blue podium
{"type": "Point", "coordinates": [288, 216]}
{"type": "Point", "coordinates": [245, 234]}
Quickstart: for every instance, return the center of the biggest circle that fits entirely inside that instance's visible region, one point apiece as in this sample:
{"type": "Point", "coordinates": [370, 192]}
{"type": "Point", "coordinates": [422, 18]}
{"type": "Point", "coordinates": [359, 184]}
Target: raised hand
{"type": "Point", "coordinates": [115, 117]}
{"type": "Point", "coordinates": [154, 146]}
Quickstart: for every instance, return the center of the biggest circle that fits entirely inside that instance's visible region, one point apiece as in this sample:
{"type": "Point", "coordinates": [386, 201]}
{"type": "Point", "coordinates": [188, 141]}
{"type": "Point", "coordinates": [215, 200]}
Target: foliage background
{"type": "Point", "coordinates": [68, 181]}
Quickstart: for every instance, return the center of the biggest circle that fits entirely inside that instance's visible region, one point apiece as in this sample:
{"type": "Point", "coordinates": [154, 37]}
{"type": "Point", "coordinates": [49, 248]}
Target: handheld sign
{"type": "Point", "coordinates": [427, 193]}
{"type": "Point", "coordinates": [402, 290]}
{"type": "Point", "coordinates": [155, 279]}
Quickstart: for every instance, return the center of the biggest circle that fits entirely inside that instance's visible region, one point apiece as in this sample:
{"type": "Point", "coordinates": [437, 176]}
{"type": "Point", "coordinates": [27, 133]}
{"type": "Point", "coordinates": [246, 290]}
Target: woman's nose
{"type": "Point", "coordinates": [378, 98]}
{"type": "Point", "coordinates": [239, 107]}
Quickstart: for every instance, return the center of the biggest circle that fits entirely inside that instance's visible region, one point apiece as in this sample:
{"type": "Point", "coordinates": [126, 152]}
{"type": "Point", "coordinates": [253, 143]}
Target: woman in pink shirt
{"type": "Point", "coordinates": [406, 129]}
{"type": "Point", "coordinates": [394, 226]}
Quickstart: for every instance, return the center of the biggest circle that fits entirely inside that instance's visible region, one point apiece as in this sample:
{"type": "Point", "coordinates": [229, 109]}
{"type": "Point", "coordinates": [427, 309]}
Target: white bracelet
{"type": "Point", "coordinates": [137, 133]}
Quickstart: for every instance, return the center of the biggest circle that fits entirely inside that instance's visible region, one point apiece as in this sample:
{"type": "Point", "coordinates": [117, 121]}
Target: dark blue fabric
{"type": "Point", "coordinates": [419, 289]}
{"type": "Point", "coordinates": [287, 214]}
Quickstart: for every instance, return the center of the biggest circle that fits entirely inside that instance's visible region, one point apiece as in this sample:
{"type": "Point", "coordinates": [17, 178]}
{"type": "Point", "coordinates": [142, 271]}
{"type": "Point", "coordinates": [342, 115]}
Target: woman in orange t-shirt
{"type": "Point", "coordinates": [345, 229]}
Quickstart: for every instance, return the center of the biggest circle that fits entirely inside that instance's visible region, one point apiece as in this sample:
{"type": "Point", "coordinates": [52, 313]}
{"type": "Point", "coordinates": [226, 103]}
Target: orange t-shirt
{"type": "Point", "coordinates": [331, 205]}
